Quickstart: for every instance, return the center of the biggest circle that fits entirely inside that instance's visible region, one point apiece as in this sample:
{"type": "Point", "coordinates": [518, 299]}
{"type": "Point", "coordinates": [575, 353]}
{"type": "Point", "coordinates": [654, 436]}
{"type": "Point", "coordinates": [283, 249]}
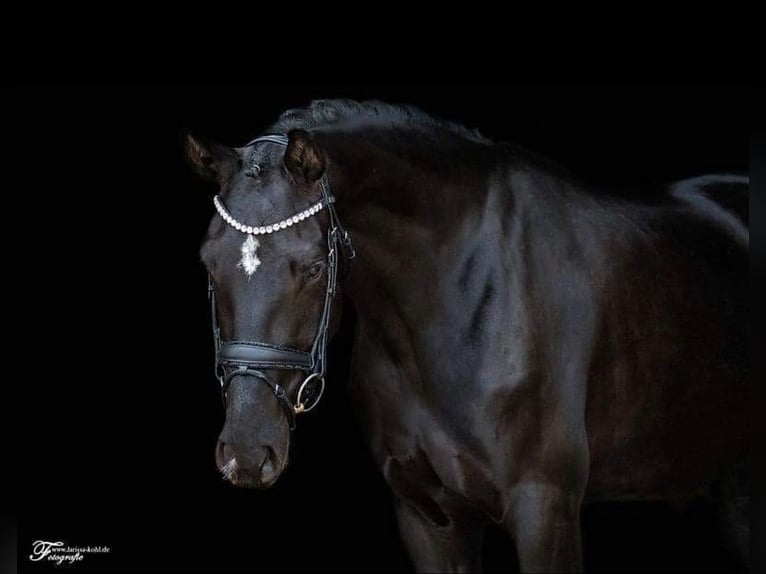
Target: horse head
{"type": "Point", "coordinates": [271, 252]}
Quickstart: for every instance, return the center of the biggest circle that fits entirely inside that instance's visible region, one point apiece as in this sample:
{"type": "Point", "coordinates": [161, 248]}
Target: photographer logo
{"type": "Point", "coordinates": [60, 553]}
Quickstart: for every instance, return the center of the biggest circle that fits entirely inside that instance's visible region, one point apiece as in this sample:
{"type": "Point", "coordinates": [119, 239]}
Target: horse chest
{"type": "Point", "coordinates": [422, 460]}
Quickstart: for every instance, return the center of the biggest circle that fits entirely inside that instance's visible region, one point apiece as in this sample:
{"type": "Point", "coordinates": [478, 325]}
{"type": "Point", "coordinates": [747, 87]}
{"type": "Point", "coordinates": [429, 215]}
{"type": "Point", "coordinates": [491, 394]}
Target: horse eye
{"type": "Point", "coordinates": [316, 270]}
{"type": "Point", "coordinates": [253, 171]}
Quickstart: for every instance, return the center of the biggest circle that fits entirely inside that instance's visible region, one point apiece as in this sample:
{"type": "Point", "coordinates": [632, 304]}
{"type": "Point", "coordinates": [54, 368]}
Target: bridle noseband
{"type": "Point", "coordinates": [251, 358]}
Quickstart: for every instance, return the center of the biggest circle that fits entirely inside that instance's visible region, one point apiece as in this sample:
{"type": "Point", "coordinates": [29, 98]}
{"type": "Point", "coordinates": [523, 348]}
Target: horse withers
{"type": "Point", "coordinates": [525, 343]}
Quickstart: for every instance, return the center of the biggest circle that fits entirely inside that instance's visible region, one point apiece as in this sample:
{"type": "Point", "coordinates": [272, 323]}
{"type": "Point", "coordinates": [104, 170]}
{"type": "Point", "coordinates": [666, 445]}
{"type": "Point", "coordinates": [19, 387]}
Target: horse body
{"type": "Point", "coordinates": [525, 344]}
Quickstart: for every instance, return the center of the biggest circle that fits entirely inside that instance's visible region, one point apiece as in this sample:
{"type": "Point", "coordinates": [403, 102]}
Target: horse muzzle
{"type": "Point", "coordinates": [249, 467]}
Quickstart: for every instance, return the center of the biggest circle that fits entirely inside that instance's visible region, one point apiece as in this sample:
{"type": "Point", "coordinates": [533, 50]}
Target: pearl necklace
{"type": "Point", "coordinates": [266, 229]}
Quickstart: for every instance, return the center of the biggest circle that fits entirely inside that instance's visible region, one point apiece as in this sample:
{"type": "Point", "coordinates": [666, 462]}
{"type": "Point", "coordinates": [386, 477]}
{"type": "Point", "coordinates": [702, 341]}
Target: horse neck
{"type": "Point", "coordinates": [404, 198]}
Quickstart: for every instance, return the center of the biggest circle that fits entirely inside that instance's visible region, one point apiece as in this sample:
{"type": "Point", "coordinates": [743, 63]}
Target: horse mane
{"type": "Point", "coordinates": [321, 113]}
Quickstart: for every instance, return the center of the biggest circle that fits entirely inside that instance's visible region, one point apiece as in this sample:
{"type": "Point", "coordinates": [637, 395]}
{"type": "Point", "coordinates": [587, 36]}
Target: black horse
{"type": "Point", "coordinates": [525, 343]}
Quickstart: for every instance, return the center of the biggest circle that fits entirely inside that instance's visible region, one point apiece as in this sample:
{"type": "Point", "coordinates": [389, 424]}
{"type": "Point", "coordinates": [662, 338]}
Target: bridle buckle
{"type": "Point", "coordinates": [348, 247]}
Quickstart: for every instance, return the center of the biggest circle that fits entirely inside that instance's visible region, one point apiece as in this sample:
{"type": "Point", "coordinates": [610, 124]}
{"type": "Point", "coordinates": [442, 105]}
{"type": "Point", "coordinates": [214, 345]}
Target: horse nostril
{"type": "Point", "coordinates": [269, 466]}
{"type": "Point", "coordinates": [223, 453]}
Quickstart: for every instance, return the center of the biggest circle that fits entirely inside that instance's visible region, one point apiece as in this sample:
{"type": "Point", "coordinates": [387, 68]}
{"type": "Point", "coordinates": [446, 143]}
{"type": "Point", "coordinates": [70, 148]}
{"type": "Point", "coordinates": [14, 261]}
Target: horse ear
{"type": "Point", "coordinates": [209, 160]}
{"type": "Point", "coordinates": [304, 158]}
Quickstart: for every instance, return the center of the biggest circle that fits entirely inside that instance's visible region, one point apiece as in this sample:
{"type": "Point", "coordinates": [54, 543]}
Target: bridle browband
{"type": "Point", "coordinates": [251, 358]}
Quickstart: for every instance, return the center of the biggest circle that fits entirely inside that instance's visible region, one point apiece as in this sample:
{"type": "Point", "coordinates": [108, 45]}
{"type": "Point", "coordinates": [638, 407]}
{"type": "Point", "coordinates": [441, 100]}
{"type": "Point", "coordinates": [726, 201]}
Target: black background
{"type": "Point", "coordinates": [119, 450]}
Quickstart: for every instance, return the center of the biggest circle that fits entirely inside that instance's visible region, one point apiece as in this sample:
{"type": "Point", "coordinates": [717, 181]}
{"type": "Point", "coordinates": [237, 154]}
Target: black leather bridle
{"type": "Point", "coordinates": [252, 358]}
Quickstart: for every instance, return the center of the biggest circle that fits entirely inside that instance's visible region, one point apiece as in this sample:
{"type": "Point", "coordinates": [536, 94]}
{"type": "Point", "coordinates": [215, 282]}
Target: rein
{"type": "Point", "coordinates": [252, 358]}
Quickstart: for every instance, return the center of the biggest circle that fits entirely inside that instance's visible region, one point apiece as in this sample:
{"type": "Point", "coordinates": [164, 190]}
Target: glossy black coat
{"type": "Point", "coordinates": [525, 343]}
